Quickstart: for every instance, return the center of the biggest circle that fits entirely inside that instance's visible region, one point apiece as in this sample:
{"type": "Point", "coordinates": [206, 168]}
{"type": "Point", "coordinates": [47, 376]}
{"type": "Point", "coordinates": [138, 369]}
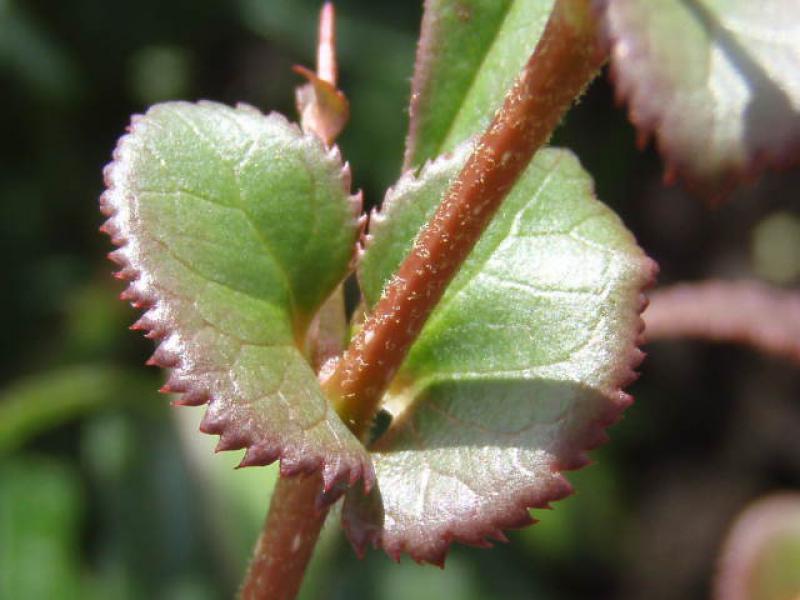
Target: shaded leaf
{"type": "Point", "coordinates": [469, 54]}
{"type": "Point", "coordinates": [234, 228]}
{"type": "Point", "coordinates": [716, 80]}
{"type": "Point", "coordinates": [761, 557]}
{"type": "Point", "coordinates": [519, 368]}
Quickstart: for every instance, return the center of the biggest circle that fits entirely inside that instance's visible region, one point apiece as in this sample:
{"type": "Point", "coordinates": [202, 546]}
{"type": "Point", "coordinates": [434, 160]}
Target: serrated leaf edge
{"type": "Point", "coordinates": [140, 295]}
{"type": "Point", "coordinates": [627, 92]}
{"type": "Point", "coordinates": [594, 436]}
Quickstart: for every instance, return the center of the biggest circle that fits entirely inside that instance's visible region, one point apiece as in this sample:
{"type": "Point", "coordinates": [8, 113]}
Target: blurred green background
{"type": "Point", "coordinates": [107, 492]}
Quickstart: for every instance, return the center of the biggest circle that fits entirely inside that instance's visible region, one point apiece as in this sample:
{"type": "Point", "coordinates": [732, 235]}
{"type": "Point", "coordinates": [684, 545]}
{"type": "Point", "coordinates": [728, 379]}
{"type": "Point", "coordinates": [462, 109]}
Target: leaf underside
{"type": "Point", "coordinates": [517, 372]}
{"type": "Point", "coordinates": [469, 54]}
{"type": "Point", "coordinates": [233, 228]}
{"type": "Point", "coordinates": [715, 80]}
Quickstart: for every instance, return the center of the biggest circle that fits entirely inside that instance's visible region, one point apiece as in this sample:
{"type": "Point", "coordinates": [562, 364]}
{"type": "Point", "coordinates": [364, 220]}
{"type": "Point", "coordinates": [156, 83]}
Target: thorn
{"type": "Point", "coordinates": [258, 455]}
{"type": "Point", "coordinates": [212, 425]}
{"type": "Point", "coordinates": [229, 442]}
{"type": "Point", "coordinates": [156, 333]}
{"type": "Point", "coordinates": [163, 358]}
{"type": "Point", "coordinates": [193, 397]}
{"type": "Point", "coordinates": [500, 537]}
{"type": "Point", "coordinates": [174, 385]}
{"type": "Point", "coordinates": [143, 324]}
{"type": "Point", "coordinates": [331, 475]}
{"type": "Point", "coordinates": [127, 274]}
{"type": "Point", "coordinates": [118, 257]}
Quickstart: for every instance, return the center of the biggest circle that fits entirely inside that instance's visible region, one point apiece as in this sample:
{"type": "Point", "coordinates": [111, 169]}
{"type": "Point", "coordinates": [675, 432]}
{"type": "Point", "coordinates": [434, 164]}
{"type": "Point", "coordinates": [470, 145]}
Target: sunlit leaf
{"type": "Point", "coordinates": [517, 372]}
{"type": "Point", "coordinates": [234, 227]}
{"type": "Point", "coordinates": [716, 80]}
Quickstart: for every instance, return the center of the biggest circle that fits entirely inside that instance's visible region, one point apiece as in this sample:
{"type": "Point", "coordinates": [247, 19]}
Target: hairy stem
{"type": "Point", "coordinates": [564, 61]}
{"type": "Point", "coordinates": [746, 312]}
{"type": "Point", "coordinates": [287, 540]}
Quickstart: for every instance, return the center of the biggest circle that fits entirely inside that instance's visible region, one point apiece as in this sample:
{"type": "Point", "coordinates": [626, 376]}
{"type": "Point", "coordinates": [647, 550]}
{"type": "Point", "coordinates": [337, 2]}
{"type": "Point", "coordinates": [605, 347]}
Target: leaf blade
{"type": "Point", "coordinates": [725, 102]}
{"type": "Point", "coordinates": [517, 372]}
{"type": "Point", "coordinates": [468, 56]}
{"type": "Point", "coordinates": [234, 227]}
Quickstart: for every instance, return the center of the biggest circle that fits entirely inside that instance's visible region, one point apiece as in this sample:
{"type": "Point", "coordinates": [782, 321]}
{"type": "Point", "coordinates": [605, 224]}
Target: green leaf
{"type": "Point", "coordinates": [761, 557]}
{"type": "Point", "coordinates": [234, 228]}
{"type": "Point", "coordinates": [469, 54]}
{"type": "Point", "coordinates": [517, 371]}
{"type": "Point", "coordinates": [716, 80]}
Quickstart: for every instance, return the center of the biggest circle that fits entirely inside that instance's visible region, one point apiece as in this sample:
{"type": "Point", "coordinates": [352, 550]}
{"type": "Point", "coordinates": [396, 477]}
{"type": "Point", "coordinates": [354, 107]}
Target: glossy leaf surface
{"type": "Point", "coordinates": [234, 228]}
{"type": "Point", "coordinates": [519, 368]}
{"type": "Point", "coordinates": [715, 80]}
{"type": "Point", "coordinates": [469, 54]}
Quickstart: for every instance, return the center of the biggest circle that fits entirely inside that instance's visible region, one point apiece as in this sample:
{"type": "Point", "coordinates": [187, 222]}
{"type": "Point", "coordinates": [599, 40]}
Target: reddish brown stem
{"type": "Point", "coordinates": [564, 61]}
{"type": "Point", "coordinates": [745, 312]}
{"type": "Point", "coordinates": [287, 541]}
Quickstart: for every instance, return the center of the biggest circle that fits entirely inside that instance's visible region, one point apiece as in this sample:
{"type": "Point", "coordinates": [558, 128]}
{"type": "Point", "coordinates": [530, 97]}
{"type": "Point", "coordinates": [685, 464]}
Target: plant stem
{"type": "Point", "coordinates": [764, 317]}
{"type": "Point", "coordinates": [564, 61]}
{"type": "Point", "coordinates": [287, 540]}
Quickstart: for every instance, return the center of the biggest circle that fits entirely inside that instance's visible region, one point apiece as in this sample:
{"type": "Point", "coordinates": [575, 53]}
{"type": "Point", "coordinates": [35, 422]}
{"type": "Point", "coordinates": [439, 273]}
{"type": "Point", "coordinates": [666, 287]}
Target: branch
{"type": "Point", "coordinates": [565, 60]}
{"type": "Point", "coordinates": [287, 540]}
{"type": "Point", "coordinates": [743, 312]}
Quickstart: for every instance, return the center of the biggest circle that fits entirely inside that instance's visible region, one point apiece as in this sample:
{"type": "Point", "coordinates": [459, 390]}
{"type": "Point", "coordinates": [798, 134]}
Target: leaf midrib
{"type": "Point", "coordinates": [266, 245]}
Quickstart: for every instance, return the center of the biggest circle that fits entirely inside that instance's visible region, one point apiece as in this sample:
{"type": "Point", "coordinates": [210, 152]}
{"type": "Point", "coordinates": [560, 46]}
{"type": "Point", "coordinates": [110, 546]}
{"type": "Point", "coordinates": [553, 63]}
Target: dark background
{"type": "Point", "coordinates": [105, 491]}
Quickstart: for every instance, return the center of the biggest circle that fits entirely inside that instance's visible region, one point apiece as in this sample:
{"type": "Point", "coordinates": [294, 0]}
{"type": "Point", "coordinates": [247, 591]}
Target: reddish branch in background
{"type": "Point", "coordinates": [744, 312]}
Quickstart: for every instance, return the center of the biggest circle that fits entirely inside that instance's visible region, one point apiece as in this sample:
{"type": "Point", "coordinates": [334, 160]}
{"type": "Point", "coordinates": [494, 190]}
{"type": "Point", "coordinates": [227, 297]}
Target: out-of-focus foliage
{"type": "Point", "coordinates": [126, 504]}
{"type": "Point", "coordinates": [41, 508]}
{"type": "Point", "coordinates": [776, 247]}
{"type": "Point", "coordinates": [723, 102]}
{"type": "Point", "coordinates": [761, 557]}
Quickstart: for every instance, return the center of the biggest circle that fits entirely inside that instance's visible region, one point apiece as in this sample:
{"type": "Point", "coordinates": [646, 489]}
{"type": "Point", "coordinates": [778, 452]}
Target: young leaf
{"type": "Point", "coordinates": [716, 81]}
{"type": "Point", "coordinates": [519, 368]}
{"type": "Point", "coordinates": [469, 53]}
{"type": "Point", "coordinates": [234, 228]}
